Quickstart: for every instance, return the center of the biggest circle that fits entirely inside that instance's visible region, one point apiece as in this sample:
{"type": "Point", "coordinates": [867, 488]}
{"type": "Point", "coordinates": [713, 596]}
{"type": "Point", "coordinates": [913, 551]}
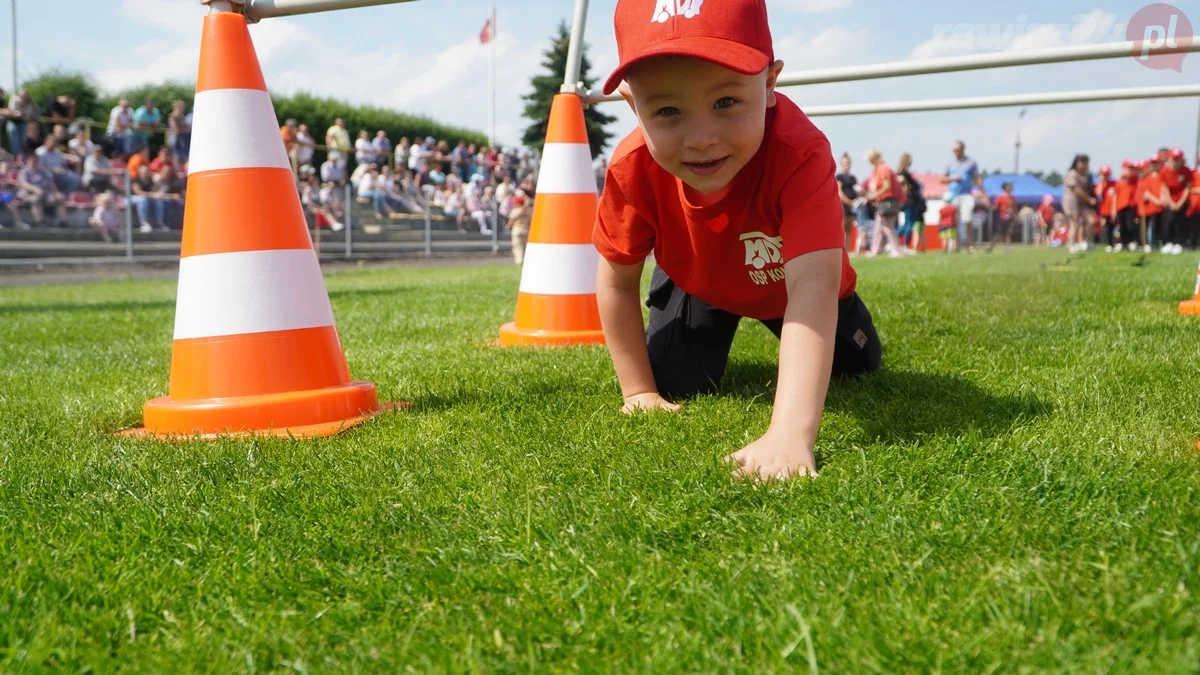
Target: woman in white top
{"type": "Point", "coordinates": [364, 152]}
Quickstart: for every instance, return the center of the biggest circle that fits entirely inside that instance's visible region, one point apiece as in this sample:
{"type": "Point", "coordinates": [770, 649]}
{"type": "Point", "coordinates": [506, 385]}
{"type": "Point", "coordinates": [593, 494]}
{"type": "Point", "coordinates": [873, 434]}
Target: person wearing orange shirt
{"type": "Point", "coordinates": [291, 142]}
{"type": "Point", "coordinates": [1045, 215]}
{"type": "Point", "coordinates": [139, 158]}
{"type": "Point", "coordinates": [1177, 179]}
{"type": "Point", "coordinates": [1006, 209]}
{"type": "Point", "coordinates": [1154, 199]}
{"type": "Point", "coordinates": [1105, 195]}
{"type": "Point", "coordinates": [1124, 207]}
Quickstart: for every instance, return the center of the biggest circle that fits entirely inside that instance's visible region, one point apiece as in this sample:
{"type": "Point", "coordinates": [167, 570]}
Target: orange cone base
{"type": "Point", "coordinates": [1189, 307]}
{"type": "Point", "coordinates": [511, 336]}
{"type": "Point", "coordinates": [302, 414]}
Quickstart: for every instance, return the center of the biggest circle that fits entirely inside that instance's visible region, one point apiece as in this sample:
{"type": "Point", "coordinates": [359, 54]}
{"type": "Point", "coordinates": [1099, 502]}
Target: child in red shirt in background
{"type": "Point", "coordinates": [1177, 179]}
{"type": "Point", "coordinates": [948, 227]}
{"type": "Point", "coordinates": [1006, 209]}
{"type": "Point", "coordinates": [1194, 205]}
{"type": "Point", "coordinates": [1154, 199]}
{"type": "Point", "coordinates": [1125, 208]}
{"type": "Point", "coordinates": [732, 189]}
{"type": "Point", "coordinates": [1045, 214]}
{"type": "Point", "coordinates": [1105, 198]}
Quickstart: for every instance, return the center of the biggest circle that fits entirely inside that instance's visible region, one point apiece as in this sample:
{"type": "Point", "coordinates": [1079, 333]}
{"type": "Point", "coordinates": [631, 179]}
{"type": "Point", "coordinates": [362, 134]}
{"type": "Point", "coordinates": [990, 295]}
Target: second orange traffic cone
{"type": "Point", "coordinates": [556, 304]}
{"type": "Point", "coordinates": [256, 350]}
{"type": "Point", "coordinates": [1192, 306]}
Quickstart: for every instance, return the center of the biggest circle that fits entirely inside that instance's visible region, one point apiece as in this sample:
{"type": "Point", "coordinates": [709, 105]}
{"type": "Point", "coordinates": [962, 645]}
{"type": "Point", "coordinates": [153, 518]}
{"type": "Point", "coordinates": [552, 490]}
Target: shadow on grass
{"type": "Point", "coordinates": [897, 406]}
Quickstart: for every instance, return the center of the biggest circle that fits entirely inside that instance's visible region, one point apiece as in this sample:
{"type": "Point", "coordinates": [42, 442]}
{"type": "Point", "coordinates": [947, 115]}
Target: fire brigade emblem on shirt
{"type": "Point", "coordinates": [763, 250]}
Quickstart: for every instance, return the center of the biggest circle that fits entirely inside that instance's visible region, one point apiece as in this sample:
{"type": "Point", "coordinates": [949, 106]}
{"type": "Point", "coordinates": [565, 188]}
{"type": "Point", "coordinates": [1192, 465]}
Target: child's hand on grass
{"type": "Point", "coordinates": [650, 402]}
{"type": "Point", "coordinates": [773, 456]}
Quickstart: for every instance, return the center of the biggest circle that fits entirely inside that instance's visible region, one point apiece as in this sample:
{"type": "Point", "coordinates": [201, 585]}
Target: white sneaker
{"type": "Point", "coordinates": [22, 225]}
{"type": "Point", "coordinates": [1132, 246]}
{"type": "Point", "coordinates": [336, 226]}
{"type": "Point", "coordinates": [1108, 249]}
{"type": "Point", "coordinates": [1146, 248]}
{"type": "Point", "coordinates": [1176, 249]}
{"type": "Point", "coordinates": [145, 228]}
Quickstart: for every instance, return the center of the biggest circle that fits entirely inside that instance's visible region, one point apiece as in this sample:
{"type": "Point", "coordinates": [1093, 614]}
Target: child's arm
{"type": "Point", "coordinates": [805, 363]}
{"type": "Point", "coordinates": [618, 294]}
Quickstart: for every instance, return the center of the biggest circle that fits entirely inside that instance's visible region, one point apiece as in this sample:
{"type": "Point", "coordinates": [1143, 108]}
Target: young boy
{"type": "Point", "coordinates": [732, 189]}
{"type": "Point", "coordinates": [1125, 207]}
{"type": "Point", "coordinates": [1045, 215]}
{"type": "Point", "coordinates": [948, 227]}
{"type": "Point", "coordinates": [1006, 209]}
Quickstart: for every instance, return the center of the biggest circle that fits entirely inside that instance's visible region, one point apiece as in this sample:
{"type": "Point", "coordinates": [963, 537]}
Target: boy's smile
{"type": "Point", "coordinates": [702, 122]}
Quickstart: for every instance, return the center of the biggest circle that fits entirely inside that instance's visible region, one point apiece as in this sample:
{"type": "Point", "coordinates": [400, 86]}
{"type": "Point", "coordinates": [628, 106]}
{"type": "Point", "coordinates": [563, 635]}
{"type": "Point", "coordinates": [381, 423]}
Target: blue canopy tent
{"type": "Point", "coordinates": [1027, 190]}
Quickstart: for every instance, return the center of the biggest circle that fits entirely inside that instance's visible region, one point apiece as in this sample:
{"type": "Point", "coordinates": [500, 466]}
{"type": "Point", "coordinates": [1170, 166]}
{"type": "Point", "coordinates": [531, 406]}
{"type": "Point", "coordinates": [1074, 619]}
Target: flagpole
{"type": "Point", "coordinates": [492, 101]}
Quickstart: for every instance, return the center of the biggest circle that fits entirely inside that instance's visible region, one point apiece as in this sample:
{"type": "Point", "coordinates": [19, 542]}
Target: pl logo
{"type": "Point", "coordinates": [1160, 26]}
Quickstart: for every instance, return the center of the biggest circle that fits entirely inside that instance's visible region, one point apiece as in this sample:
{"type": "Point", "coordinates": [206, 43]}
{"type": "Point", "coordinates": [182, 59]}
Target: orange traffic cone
{"type": "Point", "coordinates": [556, 304]}
{"type": "Point", "coordinates": [256, 350]}
{"type": "Point", "coordinates": [1192, 306]}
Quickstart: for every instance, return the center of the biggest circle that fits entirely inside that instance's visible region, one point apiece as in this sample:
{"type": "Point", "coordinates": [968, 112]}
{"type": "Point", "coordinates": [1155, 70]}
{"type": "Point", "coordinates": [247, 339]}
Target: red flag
{"type": "Point", "coordinates": [485, 35]}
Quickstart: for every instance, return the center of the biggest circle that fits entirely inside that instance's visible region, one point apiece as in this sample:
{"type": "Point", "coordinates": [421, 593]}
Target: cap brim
{"type": "Point", "coordinates": [725, 53]}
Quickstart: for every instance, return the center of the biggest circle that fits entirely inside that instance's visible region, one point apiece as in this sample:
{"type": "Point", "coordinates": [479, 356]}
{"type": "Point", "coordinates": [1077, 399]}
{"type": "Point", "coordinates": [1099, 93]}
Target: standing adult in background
{"type": "Point", "coordinates": [337, 138]}
{"type": "Point", "coordinates": [402, 150]}
{"type": "Point", "coordinates": [1079, 202]}
{"type": "Point", "coordinates": [146, 119]}
{"type": "Point", "coordinates": [364, 152]}
{"type": "Point", "coordinates": [288, 133]}
{"type": "Point", "coordinates": [914, 210]}
{"type": "Point", "coordinates": [962, 178]}
{"type": "Point", "coordinates": [179, 132]}
{"type": "Point", "coordinates": [848, 194]}
{"type": "Point", "coordinates": [305, 146]}
{"type": "Point", "coordinates": [383, 148]}
{"type": "Point", "coordinates": [21, 111]}
{"type": "Point", "coordinates": [889, 198]}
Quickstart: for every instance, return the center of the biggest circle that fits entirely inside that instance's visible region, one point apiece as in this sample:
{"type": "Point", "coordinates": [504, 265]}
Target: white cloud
{"type": "Point", "coordinates": [834, 46]}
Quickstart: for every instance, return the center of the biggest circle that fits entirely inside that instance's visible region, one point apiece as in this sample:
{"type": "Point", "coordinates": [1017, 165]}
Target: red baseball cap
{"type": "Point", "coordinates": [1176, 153]}
{"type": "Point", "coordinates": [733, 34]}
{"type": "Point", "coordinates": [1128, 165]}
{"type": "Point", "coordinates": [1105, 170]}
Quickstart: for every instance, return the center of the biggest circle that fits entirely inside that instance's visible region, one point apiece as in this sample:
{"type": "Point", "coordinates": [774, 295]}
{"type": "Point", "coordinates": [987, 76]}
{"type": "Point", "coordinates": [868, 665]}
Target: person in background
{"type": "Point", "coordinates": [120, 126]}
{"type": "Point", "coordinates": [305, 146]}
{"type": "Point", "coordinates": [143, 196]}
{"type": "Point", "coordinates": [913, 215]}
{"type": "Point", "coordinates": [105, 219]}
{"type": "Point", "coordinates": [364, 152]}
{"type": "Point", "coordinates": [146, 119]}
{"type": "Point", "coordinates": [1006, 210]}
{"type": "Point", "coordinates": [61, 110]}
{"type": "Point", "coordinates": [33, 138]}
{"type": "Point", "coordinates": [981, 212]}
{"type": "Point", "coordinates": [848, 194]}
{"type": "Point", "coordinates": [1139, 201]}
{"type": "Point", "coordinates": [1124, 207]}
{"type": "Point", "coordinates": [1154, 200]}
{"type": "Point", "coordinates": [1194, 207]}
{"type": "Point", "coordinates": [338, 138]}
{"type": "Point", "coordinates": [1106, 196]}
{"type": "Point", "coordinates": [948, 216]}
{"type": "Point", "coordinates": [889, 197]}
{"type": "Point", "coordinates": [163, 158]}
{"type": "Point", "coordinates": [1177, 180]}
{"type": "Point", "coordinates": [288, 133]}
{"type": "Point", "coordinates": [383, 148]}
{"type": "Point", "coordinates": [21, 111]}
{"type": "Point", "coordinates": [519, 216]}
{"type": "Point", "coordinates": [402, 150]}
{"type": "Point", "coordinates": [169, 189]}
{"type": "Point", "coordinates": [80, 145]}
{"type": "Point", "coordinates": [179, 132]}
{"type": "Point", "coordinates": [37, 191]}
{"type": "Point", "coordinates": [963, 182]}
{"type": "Point", "coordinates": [1079, 203]}
{"type": "Point", "coordinates": [98, 173]}
{"type": "Point", "coordinates": [1045, 221]}
{"type": "Point", "coordinates": [60, 165]}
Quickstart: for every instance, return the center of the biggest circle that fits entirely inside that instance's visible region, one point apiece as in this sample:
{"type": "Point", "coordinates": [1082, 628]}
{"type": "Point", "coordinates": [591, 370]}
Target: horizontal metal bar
{"type": "Point", "coordinates": [1083, 96]}
{"type": "Point", "coordinates": [954, 64]}
{"type": "Point", "coordinates": [267, 9]}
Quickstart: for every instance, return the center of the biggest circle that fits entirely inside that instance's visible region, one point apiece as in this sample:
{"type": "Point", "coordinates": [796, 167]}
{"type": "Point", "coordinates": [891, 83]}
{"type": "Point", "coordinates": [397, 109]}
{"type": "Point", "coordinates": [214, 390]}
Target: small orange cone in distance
{"type": "Point", "coordinates": [1192, 306]}
{"type": "Point", "coordinates": [255, 350]}
{"type": "Point", "coordinates": [556, 304]}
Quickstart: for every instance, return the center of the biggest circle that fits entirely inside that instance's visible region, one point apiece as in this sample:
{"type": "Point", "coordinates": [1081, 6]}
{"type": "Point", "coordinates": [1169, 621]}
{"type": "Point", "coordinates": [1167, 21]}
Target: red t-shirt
{"type": "Point", "coordinates": [1005, 205]}
{"type": "Point", "coordinates": [883, 173]}
{"type": "Point", "coordinates": [1046, 213]}
{"type": "Point", "coordinates": [1194, 201]}
{"type": "Point", "coordinates": [1177, 182]}
{"type": "Point", "coordinates": [948, 216]}
{"type": "Point", "coordinates": [1125, 189]}
{"type": "Point", "coordinates": [1104, 195]}
{"type": "Point", "coordinates": [783, 204]}
{"type": "Point", "coordinates": [1151, 184]}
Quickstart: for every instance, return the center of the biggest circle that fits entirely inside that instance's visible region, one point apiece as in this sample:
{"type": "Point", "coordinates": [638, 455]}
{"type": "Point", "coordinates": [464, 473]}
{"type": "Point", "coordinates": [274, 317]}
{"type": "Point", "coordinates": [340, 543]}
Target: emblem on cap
{"type": "Point", "coordinates": [665, 9]}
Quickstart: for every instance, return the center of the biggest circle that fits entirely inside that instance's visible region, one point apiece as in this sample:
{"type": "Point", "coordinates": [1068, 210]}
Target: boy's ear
{"type": "Point", "coordinates": [773, 72]}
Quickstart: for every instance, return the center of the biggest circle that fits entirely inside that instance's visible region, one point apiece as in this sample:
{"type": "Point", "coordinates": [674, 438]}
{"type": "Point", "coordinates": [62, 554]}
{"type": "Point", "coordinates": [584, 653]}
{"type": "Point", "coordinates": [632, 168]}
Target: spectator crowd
{"type": "Point", "coordinates": [51, 161]}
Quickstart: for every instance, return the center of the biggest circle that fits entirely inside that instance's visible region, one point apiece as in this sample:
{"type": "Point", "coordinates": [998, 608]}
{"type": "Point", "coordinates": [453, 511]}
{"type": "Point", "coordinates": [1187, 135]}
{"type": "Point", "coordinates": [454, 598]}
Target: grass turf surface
{"type": "Point", "coordinates": [1017, 491]}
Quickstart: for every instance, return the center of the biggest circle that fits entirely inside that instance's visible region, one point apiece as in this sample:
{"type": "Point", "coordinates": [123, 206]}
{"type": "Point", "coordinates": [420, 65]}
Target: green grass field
{"type": "Point", "coordinates": [1019, 490]}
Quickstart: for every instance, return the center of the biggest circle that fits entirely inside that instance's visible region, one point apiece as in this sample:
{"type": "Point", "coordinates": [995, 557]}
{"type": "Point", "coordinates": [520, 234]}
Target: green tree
{"type": "Point", "coordinates": [547, 85]}
{"type": "Point", "coordinates": [52, 83]}
{"type": "Point", "coordinates": [1053, 179]}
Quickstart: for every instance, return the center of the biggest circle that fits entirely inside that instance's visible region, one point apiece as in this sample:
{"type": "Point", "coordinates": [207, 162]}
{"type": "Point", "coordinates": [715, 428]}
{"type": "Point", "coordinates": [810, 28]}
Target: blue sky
{"type": "Point", "coordinates": [425, 57]}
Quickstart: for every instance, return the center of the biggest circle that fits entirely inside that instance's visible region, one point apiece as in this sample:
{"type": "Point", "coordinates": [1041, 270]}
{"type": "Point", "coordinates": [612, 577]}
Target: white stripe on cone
{"type": "Point", "coordinates": [559, 269]}
{"type": "Point", "coordinates": [250, 292]}
{"type": "Point", "coordinates": [566, 169]}
{"type": "Point", "coordinates": [235, 129]}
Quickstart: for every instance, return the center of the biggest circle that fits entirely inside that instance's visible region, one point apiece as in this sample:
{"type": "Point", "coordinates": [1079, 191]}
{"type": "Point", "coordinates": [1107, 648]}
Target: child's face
{"type": "Point", "coordinates": [701, 122]}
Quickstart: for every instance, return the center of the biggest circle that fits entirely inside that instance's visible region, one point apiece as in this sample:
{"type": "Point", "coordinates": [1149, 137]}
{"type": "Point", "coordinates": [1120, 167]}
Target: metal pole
{"type": "Point", "coordinates": [349, 209]}
{"type": "Point", "coordinates": [128, 218]}
{"type": "Point", "coordinates": [266, 9]}
{"type": "Point", "coordinates": [495, 227]}
{"type": "Point", "coordinates": [16, 82]}
{"type": "Point", "coordinates": [571, 83]}
{"type": "Point", "coordinates": [428, 232]}
{"type": "Point", "coordinates": [955, 64]}
{"type": "Point", "coordinates": [349, 238]}
{"type": "Point", "coordinates": [1178, 91]}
